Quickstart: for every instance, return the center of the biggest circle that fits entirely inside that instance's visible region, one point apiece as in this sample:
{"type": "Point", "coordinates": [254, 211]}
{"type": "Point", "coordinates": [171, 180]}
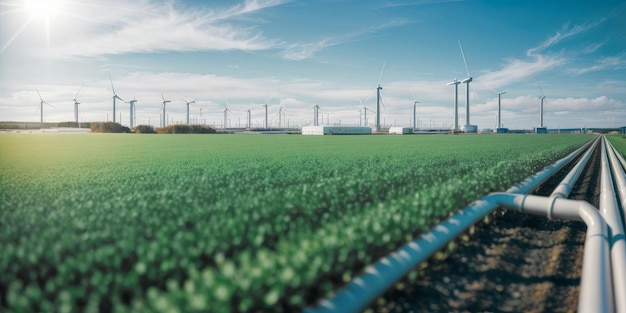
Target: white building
{"type": "Point", "coordinates": [336, 130]}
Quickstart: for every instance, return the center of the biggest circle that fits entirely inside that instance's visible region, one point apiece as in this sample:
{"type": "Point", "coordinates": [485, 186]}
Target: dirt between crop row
{"type": "Point", "coordinates": [516, 263]}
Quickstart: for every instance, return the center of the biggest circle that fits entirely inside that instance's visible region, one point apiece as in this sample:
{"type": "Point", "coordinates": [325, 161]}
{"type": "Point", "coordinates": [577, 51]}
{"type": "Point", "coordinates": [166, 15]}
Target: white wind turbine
{"type": "Point", "coordinates": [226, 110]}
{"type": "Point", "coordinates": [379, 98]}
{"type": "Point", "coordinates": [316, 112]}
{"type": "Point", "coordinates": [281, 115]}
{"type": "Point", "coordinates": [188, 103]}
{"type": "Point", "coordinates": [364, 110]}
{"type": "Point", "coordinates": [115, 96]}
{"type": "Point", "coordinates": [467, 81]}
{"type": "Point", "coordinates": [456, 83]}
{"type": "Point", "coordinates": [500, 109]}
{"type": "Point", "coordinates": [541, 107]}
{"type": "Point", "coordinates": [415, 102]}
{"type": "Point", "coordinates": [248, 118]}
{"type": "Point", "coordinates": [41, 103]}
{"type": "Point", "coordinates": [132, 112]}
{"type": "Point", "coordinates": [76, 103]}
{"type": "Point", "coordinates": [164, 118]}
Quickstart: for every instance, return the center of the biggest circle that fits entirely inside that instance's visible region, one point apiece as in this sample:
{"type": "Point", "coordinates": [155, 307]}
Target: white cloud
{"type": "Point", "coordinates": [119, 27]}
{"type": "Point", "coordinates": [604, 63]}
{"type": "Point", "coordinates": [565, 33]}
{"type": "Point", "coordinates": [305, 50]}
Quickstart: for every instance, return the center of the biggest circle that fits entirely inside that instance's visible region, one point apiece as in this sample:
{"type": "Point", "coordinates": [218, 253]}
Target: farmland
{"type": "Point", "coordinates": [228, 223]}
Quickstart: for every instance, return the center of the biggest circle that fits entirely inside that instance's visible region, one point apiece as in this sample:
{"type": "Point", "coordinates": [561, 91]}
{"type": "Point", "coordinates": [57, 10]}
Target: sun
{"type": "Point", "coordinates": [44, 8]}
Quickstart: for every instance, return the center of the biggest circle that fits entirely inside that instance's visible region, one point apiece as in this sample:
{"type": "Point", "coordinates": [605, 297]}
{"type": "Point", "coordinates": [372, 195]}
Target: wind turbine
{"type": "Point", "coordinates": [379, 98]}
{"type": "Point", "coordinates": [226, 110]}
{"type": "Point", "coordinates": [115, 96]}
{"type": "Point", "coordinates": [76, 103]}
{"type": "Point", "coordinates": [500, 109]}
{"type": "Point", "coordinates": [188, 103]}
{"type": "Point", "coordinates": [415, 102]}
{"type": "Point", "coordinates": [541, 107]}
{"type": "Point", "coordinates": [248, 119]}
{"type": "Point", "coordinates": [41, 103]}
{"type": "Point", "coordinates": [265, 105]}
{"type": "Point", "coordinates": [164, 118]}
{"type": "Point", "coordinates": [132, 112]}
{"type": "Point", "coordinates": [456, 83]}
{"type": "Point", "coordinates": [364, 110]}
{"type": "Point", "coordinates": [281, 114]}
{"type": "Point", "coordinates": [467, 81]}
{"type": "Point", "coordinates": [316, 112]}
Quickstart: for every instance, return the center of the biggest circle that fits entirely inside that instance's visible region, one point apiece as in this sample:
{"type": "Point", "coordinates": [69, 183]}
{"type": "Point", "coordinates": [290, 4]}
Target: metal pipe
{"type": "Point", "coordinates": [378, 277]}
{"type": "Point", "coordinates": [609, 208]}
{"type": "Point", "coordinates": [565, 186]}
{"type": "Point", "coordinates": [596, 291]}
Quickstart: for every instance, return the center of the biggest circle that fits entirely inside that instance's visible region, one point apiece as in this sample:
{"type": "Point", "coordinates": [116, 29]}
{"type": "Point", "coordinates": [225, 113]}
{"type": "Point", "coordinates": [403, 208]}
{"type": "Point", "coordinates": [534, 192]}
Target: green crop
{"type": "Point", "coordinates": [229, 223]}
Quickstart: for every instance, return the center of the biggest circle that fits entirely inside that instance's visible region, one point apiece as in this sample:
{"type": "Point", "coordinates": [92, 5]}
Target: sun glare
{"type": "Point", "coordinates": [44, 8]}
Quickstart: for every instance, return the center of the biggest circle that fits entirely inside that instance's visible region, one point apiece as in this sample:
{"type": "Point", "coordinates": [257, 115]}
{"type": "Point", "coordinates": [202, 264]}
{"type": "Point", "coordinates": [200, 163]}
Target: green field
{"type": "Point", "coordinates": [227, 223]}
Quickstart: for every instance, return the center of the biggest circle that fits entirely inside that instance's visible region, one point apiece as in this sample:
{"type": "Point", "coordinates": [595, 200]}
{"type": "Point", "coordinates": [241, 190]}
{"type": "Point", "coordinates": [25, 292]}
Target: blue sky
{"type": "Point", "coordinates": [295, 54]}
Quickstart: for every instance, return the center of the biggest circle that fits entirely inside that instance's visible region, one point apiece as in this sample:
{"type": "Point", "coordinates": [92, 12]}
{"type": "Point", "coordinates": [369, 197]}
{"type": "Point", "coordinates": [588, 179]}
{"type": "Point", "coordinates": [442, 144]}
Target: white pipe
{"type": "Point", "coordinates": [609, 208]}
{"type": "Point", "coordinates": [596, 291]}
{"type": "Point", "coordinates": [565, 187]}
{"type": "Point", "coordinates": [378, 277]}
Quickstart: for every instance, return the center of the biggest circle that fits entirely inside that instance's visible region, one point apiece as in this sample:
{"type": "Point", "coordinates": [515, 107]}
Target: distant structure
{"type": "Point", "coordinates": [541, 129]}
{"type": "Point", "coordinates": [499, 128]}
{"type": "Point", "coordinates": [400, 130]}
{"type": "Point", "coordinates": [468, 128]}
{"type": "Point", "coordinates": [456, 104]}
{"type": "Point", "coordinates": [76, 103]}
{"type": "Point", "coordinates": [115, 96]}
{"type": "Point", "coordinates": [188, 103]}
{"type": "Point", "coordinates": [336, 130]}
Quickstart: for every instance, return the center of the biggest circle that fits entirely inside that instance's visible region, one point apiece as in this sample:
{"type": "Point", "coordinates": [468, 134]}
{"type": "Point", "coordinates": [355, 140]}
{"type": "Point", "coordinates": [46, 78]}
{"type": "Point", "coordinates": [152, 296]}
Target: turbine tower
{"type": "Point", "coordinates": [415, 114]}
{"type": "Point", "coordinates": [115, 96]}
{"type": "Point", "coordinates": [188, 103]}
{"type": "Point", "coordinates": [415, 102]}
{"type": "Point", "coordinates": [541, 107]}
{"type": "Point", "coordinates": [265, 105]}
{"type": "Point", "coordinates": [226, 110]}
{"type": "Point", "coordinates": [248, 119]}
{"type": "Point", "coordinates": [378, 98]}
{"type": "Point", "coordinates": [456, 104]}
{"type": "Point", "coordinates": [76, 103]}
{"type": "Point", "coordinates": [467, 81]}
{"type": "Point", "coordinates": [316, 113]}
{"type": "Point", "coordinates": [164, 119]}
{"type": "Point", "coordinates": [41, 103]}
{"type": "Point", "coordinates": [132, 112]}
{"type": "Point", "coordinates": [500, 109]}
{"type": "Point", "coordinates": [280, 117]}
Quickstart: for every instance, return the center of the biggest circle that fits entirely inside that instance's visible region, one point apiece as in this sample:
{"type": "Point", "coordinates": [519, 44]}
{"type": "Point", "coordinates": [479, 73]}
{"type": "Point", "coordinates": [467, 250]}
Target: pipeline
{"type": "Point", "coordinates": [378, 277]}
{"type": "Point", "coordinates": [614, 217]}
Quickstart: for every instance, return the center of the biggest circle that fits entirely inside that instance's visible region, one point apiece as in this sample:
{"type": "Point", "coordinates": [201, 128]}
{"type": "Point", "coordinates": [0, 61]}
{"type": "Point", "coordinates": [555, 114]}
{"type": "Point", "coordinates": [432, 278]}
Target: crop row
{"type": "Point", "coordinates": [101, 223]}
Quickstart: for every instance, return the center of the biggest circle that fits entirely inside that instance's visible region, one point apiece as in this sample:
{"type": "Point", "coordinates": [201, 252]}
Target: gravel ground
{"type": "Point", "coordinates": [516, 263]}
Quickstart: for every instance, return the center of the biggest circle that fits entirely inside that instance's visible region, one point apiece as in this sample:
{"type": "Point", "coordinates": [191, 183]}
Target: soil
{"type": "Point", "coordinates": [515, 263]}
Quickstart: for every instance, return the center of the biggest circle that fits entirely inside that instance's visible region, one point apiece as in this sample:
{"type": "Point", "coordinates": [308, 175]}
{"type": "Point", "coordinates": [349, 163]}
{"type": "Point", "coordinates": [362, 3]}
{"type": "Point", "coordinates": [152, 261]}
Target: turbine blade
{"type": "Point", "coordinates": [162, 97]}
{"type": "Point", "coordinates": [39, 94]}
{"type": "Point", "coordinates": [111, 79]}
{"type": "Point", "coordinates": [380, 77]}
{"type": "Point", "coordinates": [382, 101]}
{"type": "Point", "coordinates": [464, 61]}
{"type": "Point", "coordinates": [79, 89]}
{"type": "Point", "coordinates": [412, 94]}
{"type": "Point", "coordinates": [540, 90]}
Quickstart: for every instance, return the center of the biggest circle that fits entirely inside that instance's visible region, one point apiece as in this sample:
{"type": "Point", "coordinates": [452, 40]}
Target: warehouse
{"type": "Point", "coordinates": [336, 130]}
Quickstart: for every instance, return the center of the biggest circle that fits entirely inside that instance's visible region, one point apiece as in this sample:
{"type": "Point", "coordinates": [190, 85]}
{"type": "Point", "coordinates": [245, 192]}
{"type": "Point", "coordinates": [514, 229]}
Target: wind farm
{"type": "Point", "coordinates": [311, 156]}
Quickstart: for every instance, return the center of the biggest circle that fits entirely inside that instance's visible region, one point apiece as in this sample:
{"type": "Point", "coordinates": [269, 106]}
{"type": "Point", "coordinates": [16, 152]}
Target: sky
{"type": "Point", "coordinates": [295, 54]}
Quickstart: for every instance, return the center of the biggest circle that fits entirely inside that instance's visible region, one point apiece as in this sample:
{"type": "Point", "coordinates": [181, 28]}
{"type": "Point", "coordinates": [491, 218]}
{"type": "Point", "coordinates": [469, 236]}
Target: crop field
{"type": "Point", "coordinates": [229, 223]}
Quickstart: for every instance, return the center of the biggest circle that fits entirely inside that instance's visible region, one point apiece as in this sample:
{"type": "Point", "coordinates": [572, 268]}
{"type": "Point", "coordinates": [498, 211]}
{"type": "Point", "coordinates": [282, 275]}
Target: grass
{"type": "Point", "coordinates": [226, 223]}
